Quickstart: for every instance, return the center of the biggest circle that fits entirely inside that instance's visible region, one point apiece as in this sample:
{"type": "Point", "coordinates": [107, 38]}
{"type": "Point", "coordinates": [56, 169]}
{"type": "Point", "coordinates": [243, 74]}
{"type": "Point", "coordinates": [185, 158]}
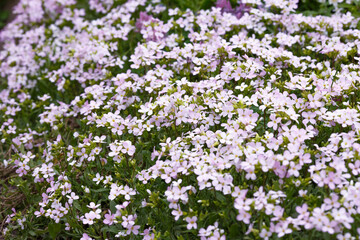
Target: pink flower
{"type": "Point", "coordinates": [128, 148]}
{"type": "Point", "coordinates": [243, 216]}
{"type": "Point", "coordinates": [91, 216]}
{"type": "Point", "coordinates": [109, 218]}
{"type": "Point", "coordinates": [265, 234]}
{"type": "Point", "coordinates": [72, 197]}
{"type": "Point", "coordinates": [85, 237]}
{"type": "Point", "coordinates": [128, 221]}
{"type": "Point", "coordinates": [93, 206]}
{"type": "Point", "coordinates": [309, 117]}
{"type": "Point", "coordinates": [144, 17]}
{"type": "Point", "coordinates": [177, 213]}
{"type": "Point", "coordinates": [127, 192]}
{"type": "Point", "coordinates": [224, 4]}
{"type": "Point", "coordinates": [355, 167]}
{"type": "Point", "coordinates": [133, 229]}
{"type": "Point", "coordinates": [147, 234]}
{"type": "Point", "coordinates": [283, 229]}
{"type": "Point", "coordinates": [226, 7]}
{"type": "Point", "coordinates": [191, 222]}
{"type": "Point", "coordinates": [332, 179]}
{"type": "Point", "coordinates": [274, 121]}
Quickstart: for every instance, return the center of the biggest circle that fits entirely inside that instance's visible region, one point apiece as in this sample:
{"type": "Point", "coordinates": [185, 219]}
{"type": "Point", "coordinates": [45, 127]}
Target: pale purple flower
{"type": "Point", "coordinates": [191, 222]}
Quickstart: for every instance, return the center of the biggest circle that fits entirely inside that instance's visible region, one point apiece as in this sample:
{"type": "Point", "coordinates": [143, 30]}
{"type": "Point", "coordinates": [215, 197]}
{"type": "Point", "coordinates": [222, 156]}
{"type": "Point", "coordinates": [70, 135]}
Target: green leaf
{"type": "Point", "coordinates": [220, 197]}
{"type": "Point", "coordinates": [54, 229]}
{"type": "Point", "coordinates": [112, 229]}
{"type": "Point", "coordinates": [100, 190]}
{"type": "Point", "coordinates": [32, 233]}
{"type": "Point", "coordinates": [77, 205]}
{"type": "Point", "coordinates": [112, 206]}
{"type": "Point", "coordinates": [235, 231]}
{"type": "Point", "coordinates": [180, 238]}
{"type": "Point", "coordinates": [207, 4]}
{"type": "Point", "coordinates": [4, 15]}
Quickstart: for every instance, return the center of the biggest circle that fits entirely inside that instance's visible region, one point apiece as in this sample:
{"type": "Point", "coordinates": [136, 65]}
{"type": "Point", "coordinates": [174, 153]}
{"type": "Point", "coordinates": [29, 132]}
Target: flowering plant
{"type": "Point", "coordinates": [136, 120]}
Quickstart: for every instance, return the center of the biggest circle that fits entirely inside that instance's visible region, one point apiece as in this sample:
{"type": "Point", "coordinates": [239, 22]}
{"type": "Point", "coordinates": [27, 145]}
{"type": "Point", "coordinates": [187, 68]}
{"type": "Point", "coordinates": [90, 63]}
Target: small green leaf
{"type": "Point", "coordinates": [180, 238]}
{"type": "Point", "coordinates": [235, 231]}
{"type": "Point", "coordinates": [112, 206]}
{"type": "Point", "coordinates": [220, 197]}
{"type": "Point", "coordinates": [54, 229]}
{"type": "Point", "coordinates": [112, 229]}
{"type": "Point", "coordinates": [100, 190]}
{"type": "Point", "coordinates": [77, 205]}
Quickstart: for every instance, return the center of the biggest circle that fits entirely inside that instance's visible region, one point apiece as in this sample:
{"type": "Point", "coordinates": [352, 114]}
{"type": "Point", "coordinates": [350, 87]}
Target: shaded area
{"type": "Point", "coordinates": [6, 15]}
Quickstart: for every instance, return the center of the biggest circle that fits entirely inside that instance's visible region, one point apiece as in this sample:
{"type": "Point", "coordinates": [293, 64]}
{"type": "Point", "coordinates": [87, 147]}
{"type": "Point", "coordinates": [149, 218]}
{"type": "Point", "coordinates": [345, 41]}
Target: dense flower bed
{"type": "Point", "coordinates": [133, 120]}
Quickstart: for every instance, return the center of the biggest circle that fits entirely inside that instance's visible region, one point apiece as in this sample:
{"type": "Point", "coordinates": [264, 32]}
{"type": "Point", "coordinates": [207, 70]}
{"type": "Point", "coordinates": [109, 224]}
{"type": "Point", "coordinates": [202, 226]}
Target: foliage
{"type": "Point", "coordinates": [180, 120]}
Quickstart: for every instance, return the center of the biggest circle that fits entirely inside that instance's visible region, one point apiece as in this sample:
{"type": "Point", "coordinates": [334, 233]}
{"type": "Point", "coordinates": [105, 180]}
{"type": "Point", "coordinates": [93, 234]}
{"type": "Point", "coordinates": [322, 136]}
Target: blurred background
{"type": "Point", "coordinates": [306, 7]}
{"type": "Point", "coordinates": [5, 11]}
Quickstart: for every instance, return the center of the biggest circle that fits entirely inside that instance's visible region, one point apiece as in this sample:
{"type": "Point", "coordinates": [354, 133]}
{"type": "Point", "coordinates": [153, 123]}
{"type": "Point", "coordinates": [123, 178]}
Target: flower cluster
{"type": "Point", "coordinates": [134, 120]}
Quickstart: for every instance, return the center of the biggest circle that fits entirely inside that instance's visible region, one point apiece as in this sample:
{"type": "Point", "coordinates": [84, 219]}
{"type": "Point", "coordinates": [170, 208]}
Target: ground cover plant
{"type": "Point", "coordinates": [180, 120]}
